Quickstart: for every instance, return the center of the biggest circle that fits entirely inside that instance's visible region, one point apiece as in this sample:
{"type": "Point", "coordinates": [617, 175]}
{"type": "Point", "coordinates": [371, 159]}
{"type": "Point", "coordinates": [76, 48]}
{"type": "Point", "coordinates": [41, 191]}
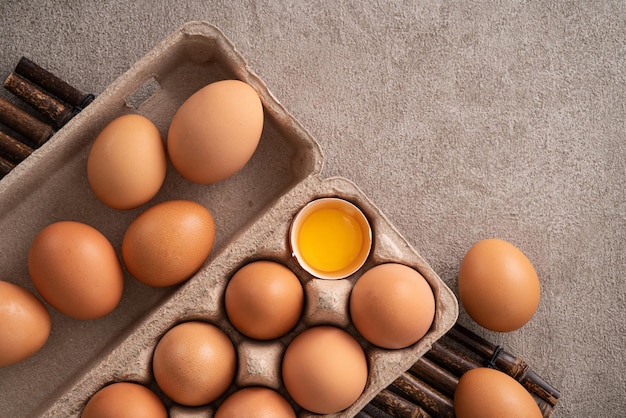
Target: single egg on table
{"type": "Point", "coordinates": [169, 242]}
{"type": "Point", "coordinates": [215, 131]}
{"type": "Point", "coordinates": [124, 400]}
{"type": "Point", "coordinates": [324, 369]}
{"type": "Point", "coordinates": [194, 363]}
{"type": "Point", "coordinates": [392, 305]}
{"type": "Point", "coordinates": [264, 300]}
{"type": "Point", "coordinates": [75, 269]}
{"type": "Point", "coordinates": [489, 393]}
{"type": "Point", "coordinates": [126, 165]}
{"type": "Point", "coordinates": [498, 285]}
{"type": "Point", "coordinates": [255, 402]}
{"type": "Point", "coordinates": [24, 324]}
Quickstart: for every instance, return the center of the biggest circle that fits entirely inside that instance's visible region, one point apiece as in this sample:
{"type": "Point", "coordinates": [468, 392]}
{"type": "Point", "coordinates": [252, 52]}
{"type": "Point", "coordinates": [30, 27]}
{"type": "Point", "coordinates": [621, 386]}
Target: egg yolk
{"type": "Point", "coordinates": [330, 240]}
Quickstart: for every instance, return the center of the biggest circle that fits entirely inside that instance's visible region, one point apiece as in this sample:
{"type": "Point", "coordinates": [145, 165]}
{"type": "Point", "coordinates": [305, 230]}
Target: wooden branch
{"type": "Point", "coordinates": [55, 111]}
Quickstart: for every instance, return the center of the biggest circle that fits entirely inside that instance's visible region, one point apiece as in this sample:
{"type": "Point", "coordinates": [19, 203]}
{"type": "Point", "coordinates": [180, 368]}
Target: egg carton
{"type": "Point", "coordinates": [252, 210]}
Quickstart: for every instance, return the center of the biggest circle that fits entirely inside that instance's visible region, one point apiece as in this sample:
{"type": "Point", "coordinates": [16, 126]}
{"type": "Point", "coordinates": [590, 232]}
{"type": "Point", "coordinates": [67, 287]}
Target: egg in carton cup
{"type": "Point", "coordinates": [254, 211]}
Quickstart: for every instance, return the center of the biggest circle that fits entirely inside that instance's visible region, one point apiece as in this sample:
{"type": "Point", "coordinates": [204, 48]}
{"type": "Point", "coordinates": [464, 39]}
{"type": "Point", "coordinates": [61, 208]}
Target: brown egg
{"type": "Point", "coordinates": [194, 363]}
{"type": "Point", "coordinates": [215, 131]}
{"type": "Point", "coordinates": [392, 305]}
{"type": "Point", "coordinates": [255, 402]}
{"type": "Point", "coordinates": [124, 400]}
{"type": "Point", "coordinates": [76, 270]}
{"type": "Point", "coordinates": [264, 300]}
{"type": "Point", "coordinates": [168, 243]}
{"type": "Point", "coordinates": [489, 393]}
{"type": "Point", "coordinates": [324, 369]}
{"type": "Point", "coordinates": [24, 324]}
{"type": "Point", "coordinates": [126, 164]}
{"type": "Point", "coordinates": [498, 285]}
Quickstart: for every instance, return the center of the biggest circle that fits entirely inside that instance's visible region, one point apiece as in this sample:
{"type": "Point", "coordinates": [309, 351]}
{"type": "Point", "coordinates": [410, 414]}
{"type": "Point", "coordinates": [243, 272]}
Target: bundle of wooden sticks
{"type": "Point", "coordinates": [427, 388]}
{"type": "Point", "coordinates": [53, 102]}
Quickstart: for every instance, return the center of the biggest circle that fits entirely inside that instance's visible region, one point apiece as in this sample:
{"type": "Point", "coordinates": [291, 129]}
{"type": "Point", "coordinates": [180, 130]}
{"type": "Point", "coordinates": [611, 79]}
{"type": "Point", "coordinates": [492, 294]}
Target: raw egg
{"type": "Point", "coordinates": [331, 238]}
{"type": "Point", "coordinates": [324, 369]}
{"type": "Point", "coordinates": [215, 131]}
{"type": "Point", "coordinates": [124, 400]}
{"type": "Point", "coordinates": [488, 393]}
{"type": "Point", "coordinates": [194, 363]}
{"type": "Point", "coordinates": [126, 165]}
{"type": "Point", "coordinates": [76, 270]}
{"type": "Point", "coordinates": [498, 285]}
{"type": "Point", "coordinates": [168, 243]}
{"type": "Point", "coordinates": [255, 402]}
{"type": "Point", "coordinates": [24, 324]}
{"type": "Point", "coordinates": [264, 300]}
{"type": "Point", "coordinates": [392, 305]}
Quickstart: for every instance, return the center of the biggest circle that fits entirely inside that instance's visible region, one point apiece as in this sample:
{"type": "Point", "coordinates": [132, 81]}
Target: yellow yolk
{"type": "Point", "coordinates": [330, 240]}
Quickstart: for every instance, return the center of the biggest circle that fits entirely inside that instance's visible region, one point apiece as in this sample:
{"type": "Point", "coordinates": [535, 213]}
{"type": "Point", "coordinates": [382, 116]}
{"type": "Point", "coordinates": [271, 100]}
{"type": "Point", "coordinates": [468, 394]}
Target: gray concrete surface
{"type": "Point", "coordinates": [460, 120]}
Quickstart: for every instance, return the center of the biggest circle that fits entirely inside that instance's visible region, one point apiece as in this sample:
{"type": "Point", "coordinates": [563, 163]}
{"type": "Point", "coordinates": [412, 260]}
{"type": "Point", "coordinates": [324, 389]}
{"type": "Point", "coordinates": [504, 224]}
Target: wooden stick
{"type": "Point", "coordinates": [423, 395]}
{"type": "Point", "coordinates": [364, 414]}
{"type": "Point", "coordinates": [539, 387]}
{"type": "Point", "coordinates": [5, 167]}
{"type": "Point", "coordinates": [511, 365]}
{"type": "Point", "coordinates": [546, 409]}
{"type": "Point", "coordinates": [435, 376]}
{"type": "Point", "coordinates": [451, 359]}
{"type": "Point", "coordinates": [53, 84]}
{"type": "Point", "coordinates": [48, 106]}
{"type": "Point", "coordinates": [396, 406]}
{"type": "Point", "coordinates": [12, 149]}
{"type": "Point", "coordinates": [506, 362]}
{"type": "Point", "coordinates": [24, 123]}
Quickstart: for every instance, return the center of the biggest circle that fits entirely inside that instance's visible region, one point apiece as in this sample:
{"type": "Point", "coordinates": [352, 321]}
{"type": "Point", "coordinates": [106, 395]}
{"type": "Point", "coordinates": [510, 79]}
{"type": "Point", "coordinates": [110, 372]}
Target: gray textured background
{"type": "Point", "coordinates": [460, 120]}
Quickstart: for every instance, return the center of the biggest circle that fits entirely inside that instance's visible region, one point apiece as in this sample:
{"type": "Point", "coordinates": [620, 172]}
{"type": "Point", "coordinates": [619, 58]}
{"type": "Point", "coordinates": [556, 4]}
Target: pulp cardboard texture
{"type": "Point", "coordinates": [252, 210]}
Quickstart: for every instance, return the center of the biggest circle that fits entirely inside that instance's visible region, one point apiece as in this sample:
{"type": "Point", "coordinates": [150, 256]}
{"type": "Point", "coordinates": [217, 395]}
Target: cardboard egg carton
{"type": "Point", "coordinates": [252, 210]}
